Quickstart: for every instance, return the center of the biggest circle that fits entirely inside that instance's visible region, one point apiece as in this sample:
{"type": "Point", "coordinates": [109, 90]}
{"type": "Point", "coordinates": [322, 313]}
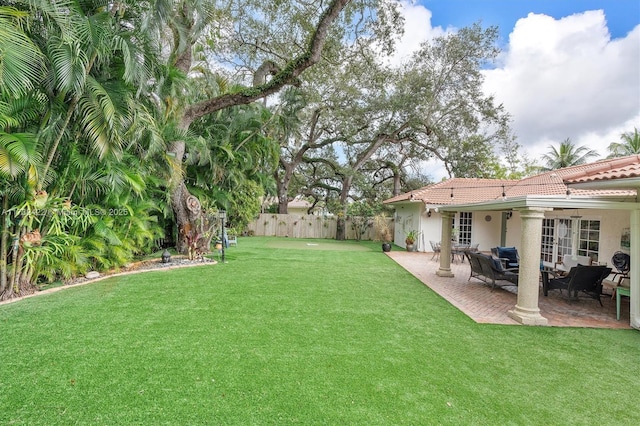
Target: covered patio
{"type": "Point", "coordinates": [481, 304]}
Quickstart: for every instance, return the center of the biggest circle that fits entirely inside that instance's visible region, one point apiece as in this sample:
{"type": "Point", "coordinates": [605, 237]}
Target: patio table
{"type": "Point", "coordinates": [459, 249]}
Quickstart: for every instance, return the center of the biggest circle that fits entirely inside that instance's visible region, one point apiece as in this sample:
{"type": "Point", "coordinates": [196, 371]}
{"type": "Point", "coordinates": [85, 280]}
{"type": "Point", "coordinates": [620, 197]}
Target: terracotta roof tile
{"type": "Point", "coordinates": [464, 190]}
{"type": "Point", "coordinates": [554, 182]}
{"type": "Point", "coordinates": [617, 168]}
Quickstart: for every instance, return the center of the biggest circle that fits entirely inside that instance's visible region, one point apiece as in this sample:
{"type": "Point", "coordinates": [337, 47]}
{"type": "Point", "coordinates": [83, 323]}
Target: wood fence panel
{"type": "Point", "coordinates": [307, 226]}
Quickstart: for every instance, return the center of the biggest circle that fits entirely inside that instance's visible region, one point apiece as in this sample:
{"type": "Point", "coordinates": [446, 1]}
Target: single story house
{"type": "Point", "coordinates": [297, 206]}
{"type": "Point", "coordinates": [587, 210]}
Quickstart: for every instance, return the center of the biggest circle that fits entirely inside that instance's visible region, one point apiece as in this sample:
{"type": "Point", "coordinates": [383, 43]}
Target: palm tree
{"type": "Point", "coordinates": [567, 155]}
{"type": "Point", "coordinates": [22, 61]}
{"type": "Point", "coordinates": [629, 145]}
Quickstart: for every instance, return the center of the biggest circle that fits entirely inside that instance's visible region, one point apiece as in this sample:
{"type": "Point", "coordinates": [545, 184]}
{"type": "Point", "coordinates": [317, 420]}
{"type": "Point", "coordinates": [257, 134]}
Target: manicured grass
{"type": "Point", "coordinates": [290, 332]}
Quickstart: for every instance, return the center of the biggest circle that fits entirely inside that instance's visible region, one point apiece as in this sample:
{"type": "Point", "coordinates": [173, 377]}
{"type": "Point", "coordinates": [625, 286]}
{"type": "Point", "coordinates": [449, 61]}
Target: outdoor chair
{"type": "Point", "coordinates": [435, 247]}
{"type": "Point", "coordinates": [507, 255]}
{"type": "Point", "coordinates": [581, 278]}
{"type": "Point", "coordinates": [486, 268]}
{"type": "Point", "coordinates": [232, 238]}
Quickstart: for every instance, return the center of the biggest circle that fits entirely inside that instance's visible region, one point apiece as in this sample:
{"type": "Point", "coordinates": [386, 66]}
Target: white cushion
{"type": "Point", "coordinates": [569, 262]}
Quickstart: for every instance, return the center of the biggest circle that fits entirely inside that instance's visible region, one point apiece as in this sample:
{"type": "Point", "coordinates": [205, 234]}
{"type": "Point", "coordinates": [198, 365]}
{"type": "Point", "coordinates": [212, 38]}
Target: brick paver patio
{"type": "Point", "coordinates": [484, 305]}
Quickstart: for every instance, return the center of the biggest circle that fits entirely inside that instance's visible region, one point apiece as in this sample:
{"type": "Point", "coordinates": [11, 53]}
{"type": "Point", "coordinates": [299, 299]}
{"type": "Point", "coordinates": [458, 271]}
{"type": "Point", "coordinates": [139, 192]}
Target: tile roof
{"type": "Point", "coordinates": [298, 203]}
{"type": "Point", "coordinates": [554, 182]}
{"type": "Point", "coordinates": [464, 190]}
{"type": "Point", "coordinates": [618, 168]}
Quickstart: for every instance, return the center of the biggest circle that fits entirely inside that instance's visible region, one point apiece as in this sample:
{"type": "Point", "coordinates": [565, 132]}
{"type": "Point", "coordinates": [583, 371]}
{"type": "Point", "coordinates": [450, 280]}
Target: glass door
{"type": "Point", "coordinates": [563, 238]}
{"type": "Point", "coordinates": [556, 240]}
{"type": "Point", "coordinates": [548, 232]}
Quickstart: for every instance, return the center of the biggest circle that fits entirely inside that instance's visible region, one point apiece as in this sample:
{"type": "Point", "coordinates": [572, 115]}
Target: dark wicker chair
{"type": "Point", "coordinates": [508, 255]}
{"type": "Point", "coordinates": [585, 279]}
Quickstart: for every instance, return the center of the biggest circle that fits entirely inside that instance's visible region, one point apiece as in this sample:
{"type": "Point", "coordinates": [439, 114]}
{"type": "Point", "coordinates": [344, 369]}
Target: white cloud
{"type": "Point", "coordinates": [417, 29]}
{"type": "Point", "coordinates": [558, 78]}
{"type": "Point", "coordinates": [567, 79]}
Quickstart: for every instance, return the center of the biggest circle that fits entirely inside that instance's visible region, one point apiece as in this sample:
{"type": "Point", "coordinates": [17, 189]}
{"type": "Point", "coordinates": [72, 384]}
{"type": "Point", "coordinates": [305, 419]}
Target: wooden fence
{"type": "Point", "coordinates": [309, 226]}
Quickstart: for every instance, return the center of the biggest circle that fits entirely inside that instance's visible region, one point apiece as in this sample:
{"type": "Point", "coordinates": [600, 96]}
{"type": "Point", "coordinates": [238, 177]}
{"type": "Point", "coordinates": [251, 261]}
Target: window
{"type": "Point", "coordinates": [548, 227]}
{"type": "Point", "coordinates": [589, 239]}
{"type": "Point", "coordinates": [464, 229]}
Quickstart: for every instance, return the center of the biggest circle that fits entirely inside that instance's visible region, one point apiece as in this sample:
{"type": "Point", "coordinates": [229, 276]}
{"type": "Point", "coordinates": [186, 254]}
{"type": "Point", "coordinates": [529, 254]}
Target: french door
{"type": "Point", "coordinates": [556, 239]}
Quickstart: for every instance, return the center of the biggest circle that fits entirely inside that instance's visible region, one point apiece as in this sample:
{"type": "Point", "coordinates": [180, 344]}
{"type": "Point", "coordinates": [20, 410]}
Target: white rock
{"type": "Point", "coordinates": [92, 274]}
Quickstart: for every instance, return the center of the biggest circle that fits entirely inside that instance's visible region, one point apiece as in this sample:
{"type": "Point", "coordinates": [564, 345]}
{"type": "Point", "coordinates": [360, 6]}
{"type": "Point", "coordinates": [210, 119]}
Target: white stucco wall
{"type": "Point", "coordinates": [486, 232]}
{"type": "Point", "coordinates": [414, 216]}
{"type": "Point", "coordinates": [407, 218]}
{"type": "Point", "coordinates": [514, 235]}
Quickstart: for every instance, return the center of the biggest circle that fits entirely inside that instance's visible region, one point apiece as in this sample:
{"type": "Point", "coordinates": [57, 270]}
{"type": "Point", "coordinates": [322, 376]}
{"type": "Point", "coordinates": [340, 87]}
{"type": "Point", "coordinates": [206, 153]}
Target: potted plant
{"type": "Point", "coordinates": [410, 240]}
{"type": "Point", "coordinates": [383, 231]}
{"type": "Point", "coordinates": [454, 234]}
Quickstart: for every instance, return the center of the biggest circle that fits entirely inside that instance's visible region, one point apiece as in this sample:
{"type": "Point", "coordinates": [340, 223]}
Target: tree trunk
{"type": "Point", "coordinates": [282, 183]}
{"type": "Point", "coordinates": [341, 230]}
{"type": "Point", "coordinates": [191, 223]}
{"type": "Point", "coordinates": [4, 241]}
{"type": "Point", "coordinates": [341, 227]}
{"type": "Point", "coordinates": [283, 204]}
{"type": "Point", "coordinates": [193, 226]}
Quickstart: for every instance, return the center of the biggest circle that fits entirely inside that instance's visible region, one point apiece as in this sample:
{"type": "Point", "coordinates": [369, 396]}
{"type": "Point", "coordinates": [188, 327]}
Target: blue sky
{"type": "Point", "coordinates": [568, 68]}
{"type": "Point", "coordinates": [622, 15]}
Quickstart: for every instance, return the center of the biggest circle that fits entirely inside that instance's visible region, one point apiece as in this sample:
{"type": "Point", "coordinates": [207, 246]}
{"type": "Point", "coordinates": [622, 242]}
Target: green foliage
{"type": "Point", "coordinates": [629, 145]}
{"type": "Point", "coordinates": [567, 154]}
{"type": "Point", "coordinates": [244, 204]}
{"type": "Point", "coordinates": [411, 236]}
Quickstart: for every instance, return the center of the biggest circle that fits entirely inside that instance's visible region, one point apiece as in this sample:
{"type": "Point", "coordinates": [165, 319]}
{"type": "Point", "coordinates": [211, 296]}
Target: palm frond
{"type": "Point", "coordinates": [69, 64]}
{"type": "Point", "coordinates": [21, 61]}
{"type": "Point", "coordinates": [17, 153]}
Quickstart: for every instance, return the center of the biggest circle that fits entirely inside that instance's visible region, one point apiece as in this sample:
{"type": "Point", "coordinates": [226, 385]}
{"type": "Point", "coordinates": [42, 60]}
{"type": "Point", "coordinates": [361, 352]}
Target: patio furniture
{"type": "Point", "coordinates": [508, 255]}
{"type": "Point", "coordinates": [581, 278]}
{"type": "Point", "coordinates": [619, 288]}
{"type": "Point", "coordinates": [232, 238]}
{"type": "Point", "coordinates": [568, 262]}
{"type": "Point", "coordinates": [621, 291]}
{"type": "Point", "coordinates": [435, 247]}
{"type": "Point", "coordinates": [459, 250]}
{"type": "Point", "coordinates": [486, 268]}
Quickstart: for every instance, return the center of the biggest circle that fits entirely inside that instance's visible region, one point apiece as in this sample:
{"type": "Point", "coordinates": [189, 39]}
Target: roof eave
{"type": "Point", "coordinates": [545, 202]}
{"type": "Point", "coordinates": [622, 183]}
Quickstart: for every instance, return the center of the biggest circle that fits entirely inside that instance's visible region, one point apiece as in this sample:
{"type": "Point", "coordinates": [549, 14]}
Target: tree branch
{"type": "Point", "coordinates": [286, 76]}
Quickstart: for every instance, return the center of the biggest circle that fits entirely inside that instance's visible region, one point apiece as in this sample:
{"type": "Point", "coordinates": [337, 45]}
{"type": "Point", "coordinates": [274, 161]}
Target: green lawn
{"type": "Point", "coordinates": [299, 332]}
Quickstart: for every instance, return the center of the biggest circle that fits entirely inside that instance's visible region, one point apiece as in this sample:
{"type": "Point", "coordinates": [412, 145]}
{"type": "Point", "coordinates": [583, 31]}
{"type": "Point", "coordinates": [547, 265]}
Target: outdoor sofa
{"type": "Point", "coordinates": [486, 268]}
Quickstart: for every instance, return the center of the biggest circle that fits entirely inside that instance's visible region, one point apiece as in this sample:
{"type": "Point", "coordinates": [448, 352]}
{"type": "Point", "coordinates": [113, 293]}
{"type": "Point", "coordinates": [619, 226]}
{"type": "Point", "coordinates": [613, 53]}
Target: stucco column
{"type": "Point", "coordinates": [445, 246]}
{"type": "Point", "coordinates": [635, 269]}
{"type": "Point", "coordinates": [526, 310]}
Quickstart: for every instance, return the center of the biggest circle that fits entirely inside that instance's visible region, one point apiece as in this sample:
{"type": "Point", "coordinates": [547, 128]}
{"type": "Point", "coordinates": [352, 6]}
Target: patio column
{"type": "Point", "coordinates": [635, 270]}
{"type": "Point", "coordinates": [445, 246]}
{"type": "Point", "coordinates": [526, 310]}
